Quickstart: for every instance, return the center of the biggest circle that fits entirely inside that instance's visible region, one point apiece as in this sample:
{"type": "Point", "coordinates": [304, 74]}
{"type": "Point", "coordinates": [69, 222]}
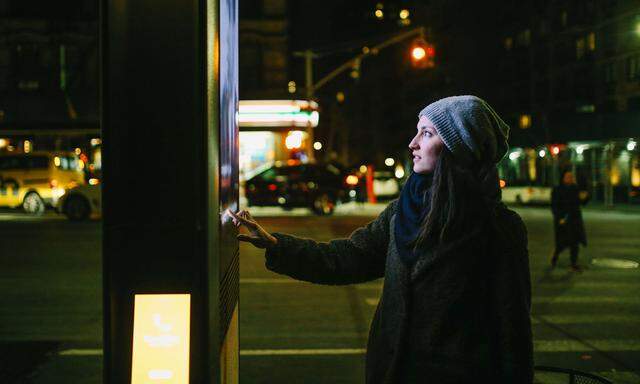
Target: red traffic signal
{"type": "Point", "coordinates": [422, 54]}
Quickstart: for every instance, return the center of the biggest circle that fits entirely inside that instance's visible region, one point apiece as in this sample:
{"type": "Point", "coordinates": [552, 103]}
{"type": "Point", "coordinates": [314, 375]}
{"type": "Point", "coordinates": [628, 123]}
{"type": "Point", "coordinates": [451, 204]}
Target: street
{"type": "Point", "coordinates": [50, 309]}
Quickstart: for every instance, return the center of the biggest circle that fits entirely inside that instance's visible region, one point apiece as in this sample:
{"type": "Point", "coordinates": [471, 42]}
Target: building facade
{"type": "Point", "coordinates": [570, 70]}
{"type": "Point", "coordinates": [49, 74]}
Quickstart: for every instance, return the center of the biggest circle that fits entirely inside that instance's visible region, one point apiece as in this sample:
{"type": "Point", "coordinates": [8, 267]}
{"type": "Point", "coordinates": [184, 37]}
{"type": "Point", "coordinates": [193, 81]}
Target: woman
{"type": "Point", "coordinates": [456, 297]}
{"type": "Point", "coordinates": [567, 219]}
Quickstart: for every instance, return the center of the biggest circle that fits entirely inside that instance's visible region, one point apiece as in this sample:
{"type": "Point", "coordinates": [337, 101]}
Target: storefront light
{"type": "Point", "coordinates": [297, 119]}
{"type": "Point", "coordinates": [399, 172]}
{"type": "Point", "coordinates": [294, 140]}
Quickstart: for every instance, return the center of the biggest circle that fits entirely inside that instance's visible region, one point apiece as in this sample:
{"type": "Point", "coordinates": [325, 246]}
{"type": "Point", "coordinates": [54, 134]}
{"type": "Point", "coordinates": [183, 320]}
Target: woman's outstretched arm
{"type": "Point", "coordinates": [357, 259]}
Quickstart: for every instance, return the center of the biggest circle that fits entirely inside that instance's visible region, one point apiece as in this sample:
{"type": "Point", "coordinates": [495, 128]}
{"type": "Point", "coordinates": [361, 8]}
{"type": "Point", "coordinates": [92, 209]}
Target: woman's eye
{"type": "Point", "coordinates": [427, 134]}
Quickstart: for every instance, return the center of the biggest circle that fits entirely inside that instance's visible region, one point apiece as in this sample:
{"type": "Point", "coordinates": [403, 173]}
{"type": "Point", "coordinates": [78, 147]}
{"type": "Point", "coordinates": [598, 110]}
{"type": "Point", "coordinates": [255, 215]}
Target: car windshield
{"type": "Point", "coordinates": [67, 163]}
{"type": "Point", "coordinates": [23, 162]}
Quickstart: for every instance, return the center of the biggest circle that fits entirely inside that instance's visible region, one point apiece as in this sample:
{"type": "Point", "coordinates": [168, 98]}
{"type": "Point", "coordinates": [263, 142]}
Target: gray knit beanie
{"type": "Point", "coordinates": [469, 128]}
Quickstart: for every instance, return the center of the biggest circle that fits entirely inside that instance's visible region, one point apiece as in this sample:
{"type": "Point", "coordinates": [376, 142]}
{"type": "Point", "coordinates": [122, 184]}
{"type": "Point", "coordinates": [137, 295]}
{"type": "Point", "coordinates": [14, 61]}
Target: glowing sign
{"type": "Point", "coordinates": [278, 113]}
{"type": "Point", "coordinates": [161, 339]}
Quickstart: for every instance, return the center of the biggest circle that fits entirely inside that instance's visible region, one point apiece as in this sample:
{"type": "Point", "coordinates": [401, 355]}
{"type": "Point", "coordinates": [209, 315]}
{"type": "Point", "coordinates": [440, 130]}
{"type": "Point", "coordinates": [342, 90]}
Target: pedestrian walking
{"type": "Point", "coordinates": [455, 306]}
{"type": "Point", "coordinates": [567, 219]}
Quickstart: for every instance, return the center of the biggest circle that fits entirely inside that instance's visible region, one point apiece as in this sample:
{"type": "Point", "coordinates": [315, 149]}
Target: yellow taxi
{"type": "Point", "coordinates": [37, 180]}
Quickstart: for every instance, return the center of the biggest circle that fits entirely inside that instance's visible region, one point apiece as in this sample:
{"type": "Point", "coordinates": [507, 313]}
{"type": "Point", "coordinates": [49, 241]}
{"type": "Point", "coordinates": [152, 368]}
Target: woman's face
{"type": "Point", "coordinates": [425, 147]}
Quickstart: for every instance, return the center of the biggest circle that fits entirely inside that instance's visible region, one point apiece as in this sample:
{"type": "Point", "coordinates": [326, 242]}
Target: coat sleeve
{"type": "Point", "coordinates": [357, 259]}
{"type": "Point", "coordinates": [510, 296]}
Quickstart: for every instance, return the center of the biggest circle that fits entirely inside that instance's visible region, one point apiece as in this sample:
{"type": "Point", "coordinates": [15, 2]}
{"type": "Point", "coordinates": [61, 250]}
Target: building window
{"type": "Point", "coordinates": [508, 43]}
{"type": "Point", "coordinates": [524, 38]}
{"type": "Point", "coordinates": [633, 68]}
{"type": "Point", "coordinates": [591, 41]}
{"type": "Point", "coordinates": [580, 45]}
{"type": "Point", "coordinates": [585, 108]}
{"type": "Point", "coordinates": [544, 27]}
{"type": "Point", "coordinates": [563, 19]}
{"type": "Point", "coordinates": [609, 73]}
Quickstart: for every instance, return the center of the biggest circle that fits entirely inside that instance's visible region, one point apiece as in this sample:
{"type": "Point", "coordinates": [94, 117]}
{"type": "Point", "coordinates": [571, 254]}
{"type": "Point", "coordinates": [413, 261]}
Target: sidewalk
{"type": "Point", "coordinates": [347, 209]}
{"type": "Point", "coordinates": [623, 208]}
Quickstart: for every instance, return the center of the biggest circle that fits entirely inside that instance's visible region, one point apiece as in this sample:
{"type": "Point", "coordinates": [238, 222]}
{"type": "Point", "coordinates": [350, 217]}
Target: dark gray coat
{"type": "Point", "coordinates": [565, 204]}
{"type": "Point", "coordinates": [461, 316]}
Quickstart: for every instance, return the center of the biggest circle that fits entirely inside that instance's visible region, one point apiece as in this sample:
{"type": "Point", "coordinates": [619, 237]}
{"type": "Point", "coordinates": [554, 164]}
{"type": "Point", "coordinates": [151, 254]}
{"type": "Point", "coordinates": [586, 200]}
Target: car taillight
{"type": "Point", "coordinates": [272, 187]}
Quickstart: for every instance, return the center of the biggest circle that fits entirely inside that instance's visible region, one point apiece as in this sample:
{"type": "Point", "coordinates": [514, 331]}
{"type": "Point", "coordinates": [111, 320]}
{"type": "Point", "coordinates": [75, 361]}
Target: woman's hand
{"type": "Point", "coordinates": [259, 236]}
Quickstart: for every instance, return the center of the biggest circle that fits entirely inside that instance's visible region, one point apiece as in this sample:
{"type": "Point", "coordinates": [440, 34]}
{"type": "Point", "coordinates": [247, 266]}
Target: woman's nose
{"type": "Point", "coordinates": [412, 144]}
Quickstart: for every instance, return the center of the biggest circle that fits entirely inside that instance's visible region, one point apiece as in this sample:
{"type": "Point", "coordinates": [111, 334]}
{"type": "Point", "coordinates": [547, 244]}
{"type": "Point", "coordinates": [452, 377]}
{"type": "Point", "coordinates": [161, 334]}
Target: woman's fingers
{"type": "Point", "coordinates": [242, 220]}
{"type": "Point", "coordinates": [256, 241]}
{"type": "Point", "coordinates": [246, 238]}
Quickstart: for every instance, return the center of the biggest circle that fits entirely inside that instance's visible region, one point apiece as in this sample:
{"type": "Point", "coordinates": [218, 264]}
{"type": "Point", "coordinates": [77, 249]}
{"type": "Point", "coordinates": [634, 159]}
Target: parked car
{"type": "Point", "coordinates": [81, 202]}
{"type": "Point", "coordinates": [294, 184]}
{"type": "Point", "coordinates": [385, 185]}
{"type": "Point", "coordinates": [526, 194]}
{"type": "Point", "coordinates": [35, 181]}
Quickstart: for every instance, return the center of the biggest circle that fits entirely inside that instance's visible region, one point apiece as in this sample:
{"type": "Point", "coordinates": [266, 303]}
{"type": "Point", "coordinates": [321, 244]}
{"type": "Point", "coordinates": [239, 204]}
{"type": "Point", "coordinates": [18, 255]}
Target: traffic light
{"type": "Point", "coordinates": [422, 54]}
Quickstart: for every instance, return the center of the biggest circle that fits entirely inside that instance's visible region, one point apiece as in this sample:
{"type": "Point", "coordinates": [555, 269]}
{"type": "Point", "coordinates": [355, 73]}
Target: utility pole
{"type": "Point", "coordinates": [309, 55]}
{"type": "Point", "coordinates": [308, 66]}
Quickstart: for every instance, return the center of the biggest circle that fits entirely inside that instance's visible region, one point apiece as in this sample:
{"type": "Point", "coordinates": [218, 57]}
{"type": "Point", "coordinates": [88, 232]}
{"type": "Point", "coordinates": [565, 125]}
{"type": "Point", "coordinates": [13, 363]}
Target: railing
{"type": "Point", "coordinates": [549, 375]}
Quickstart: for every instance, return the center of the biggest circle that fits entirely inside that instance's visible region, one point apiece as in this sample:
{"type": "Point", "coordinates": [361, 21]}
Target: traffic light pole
{"type": "Point", "coordinates": [311, 88]}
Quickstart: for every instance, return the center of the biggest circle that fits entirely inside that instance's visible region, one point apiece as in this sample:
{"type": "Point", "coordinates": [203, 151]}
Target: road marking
{"type": "Point", "coordinates": [81, 352]}
{"type": "Point", "coordinates": [586, 319]}
{"type": "Point", "coordinates": [297, 352]}
{"type": "Point", "coordinates": [268, 280]}
{"type": "Point", "coordinates": [276, 280]}
{"type": "Point", "coordinates": [606, 345]}
{"type": "Point", "coordinates": [539, 346]}
{"type": "Point", "coordinates": [585, 299]}
{"type": "Point", "coordinates": [373, 301]}
{"type": "Point", "coordinates": [247, 352]}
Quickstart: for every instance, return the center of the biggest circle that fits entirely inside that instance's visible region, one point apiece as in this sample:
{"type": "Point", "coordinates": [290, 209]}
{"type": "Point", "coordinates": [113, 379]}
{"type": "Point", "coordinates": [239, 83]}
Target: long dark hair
{"type": "Point", "coordinates": [459, 200]}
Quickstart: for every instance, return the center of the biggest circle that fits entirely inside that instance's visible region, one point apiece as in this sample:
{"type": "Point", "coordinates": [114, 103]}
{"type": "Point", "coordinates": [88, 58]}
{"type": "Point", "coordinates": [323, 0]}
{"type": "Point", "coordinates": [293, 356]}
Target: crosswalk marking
{"type": "Point", "coordinates": [561, 299]}
{"type": "Point", "coordinates": [268, 280]}
{"type": "Point", "coordinates": [308, 352]}
{"type": "Point", "coordinates": [277, 280]}
{"type": "Point", "coordinates": [539, 346]}
{"type": "Point", "coordinates": [587, 319]}
{"type": "Point", "coordinates": [81, 352]}
{"type": "Point", "coordinates": [607, 345]}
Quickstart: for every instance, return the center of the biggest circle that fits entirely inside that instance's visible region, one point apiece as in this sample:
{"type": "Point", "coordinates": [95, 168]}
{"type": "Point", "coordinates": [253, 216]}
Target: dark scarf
{"type": "Point", "coordinates": [413, 205]}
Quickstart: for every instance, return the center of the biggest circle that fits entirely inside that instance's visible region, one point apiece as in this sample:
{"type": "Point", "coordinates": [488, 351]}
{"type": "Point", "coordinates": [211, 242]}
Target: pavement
{"type": "Point", "coordinates": [294, 332]}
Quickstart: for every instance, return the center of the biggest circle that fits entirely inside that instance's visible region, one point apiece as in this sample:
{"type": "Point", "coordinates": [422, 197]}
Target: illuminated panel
{"type": "Point", "coordinates": [296, 119]}
{"type": "Point", "coordinates": [278, 113]}
{"type": "Point", "coordinates": [161, 339]}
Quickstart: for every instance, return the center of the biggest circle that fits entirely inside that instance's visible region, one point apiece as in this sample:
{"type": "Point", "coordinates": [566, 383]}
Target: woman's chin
{"type": "Point", "coordinates": [418, 169]}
